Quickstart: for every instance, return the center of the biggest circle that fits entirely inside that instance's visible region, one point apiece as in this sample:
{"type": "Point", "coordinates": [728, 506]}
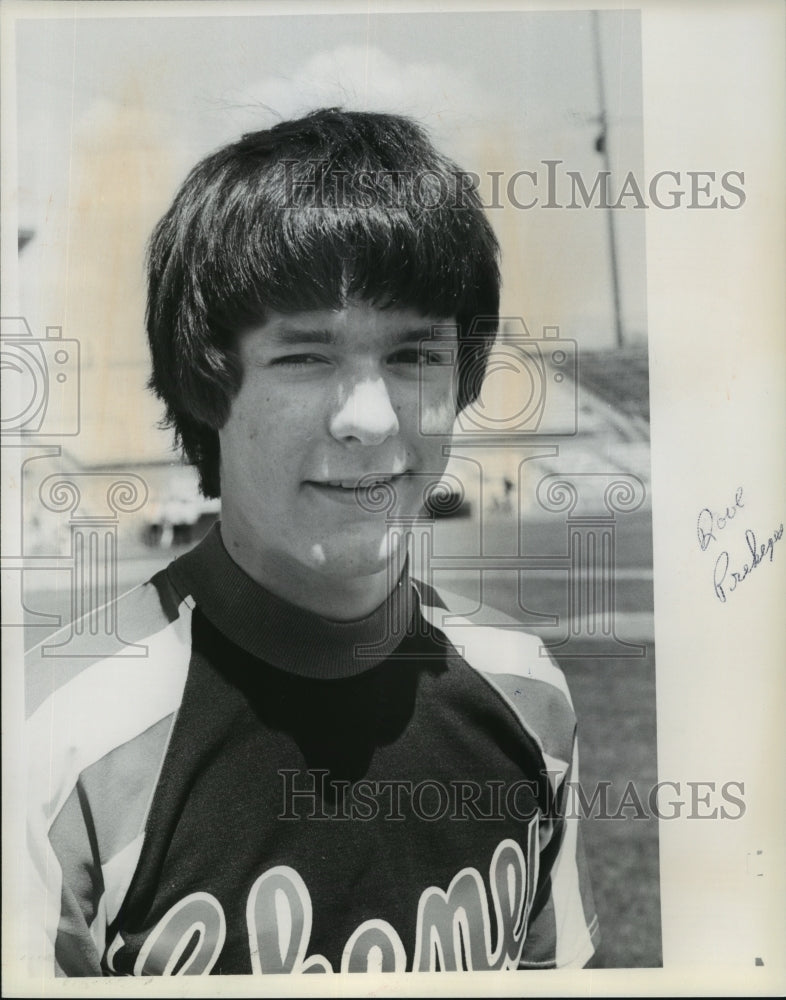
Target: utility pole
{"type": "Point", "coordinates": [602, 146]}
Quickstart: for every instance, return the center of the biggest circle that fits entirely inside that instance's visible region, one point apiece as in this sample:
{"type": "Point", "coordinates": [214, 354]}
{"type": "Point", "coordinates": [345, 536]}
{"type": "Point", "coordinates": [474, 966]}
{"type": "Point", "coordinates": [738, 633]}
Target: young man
{"type": "Point", "coordinates": [308, 770]}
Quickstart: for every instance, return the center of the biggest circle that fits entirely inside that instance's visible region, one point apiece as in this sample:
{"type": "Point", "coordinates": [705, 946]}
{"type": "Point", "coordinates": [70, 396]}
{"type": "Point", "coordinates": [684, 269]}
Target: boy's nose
{"type": "Point", "coordinates": [366, 415]}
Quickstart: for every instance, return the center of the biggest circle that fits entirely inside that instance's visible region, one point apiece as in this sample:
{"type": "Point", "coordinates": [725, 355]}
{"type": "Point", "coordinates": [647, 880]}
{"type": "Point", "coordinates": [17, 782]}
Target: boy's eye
{"type": "Point", "coordinates": [296, 360]}
{"type": "Point", "coordinates": [422, 356]}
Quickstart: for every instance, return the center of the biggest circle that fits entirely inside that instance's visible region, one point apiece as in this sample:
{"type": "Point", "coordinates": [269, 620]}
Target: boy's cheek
{"type": "Point", "coordinates": [437, 416]}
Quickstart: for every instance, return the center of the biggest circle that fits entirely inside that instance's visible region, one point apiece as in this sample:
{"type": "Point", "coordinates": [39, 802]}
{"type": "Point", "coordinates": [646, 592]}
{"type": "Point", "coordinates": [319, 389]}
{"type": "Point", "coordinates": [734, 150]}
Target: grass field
{"type": "Point", "coordinates": [615, 704]}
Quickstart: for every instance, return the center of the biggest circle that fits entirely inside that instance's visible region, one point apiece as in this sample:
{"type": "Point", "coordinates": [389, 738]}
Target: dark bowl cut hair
{"type": "Point", "coordinates": [310, 214]}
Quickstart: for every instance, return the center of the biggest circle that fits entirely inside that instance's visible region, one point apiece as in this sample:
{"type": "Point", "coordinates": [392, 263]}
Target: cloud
{"type": "Point", "coordinates": [448, 100]}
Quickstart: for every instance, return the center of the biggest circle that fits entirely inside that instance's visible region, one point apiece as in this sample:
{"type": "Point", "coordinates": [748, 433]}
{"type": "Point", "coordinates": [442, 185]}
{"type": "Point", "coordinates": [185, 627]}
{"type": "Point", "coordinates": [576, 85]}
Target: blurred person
{"type": "Point", "coordinates": [312, 766]}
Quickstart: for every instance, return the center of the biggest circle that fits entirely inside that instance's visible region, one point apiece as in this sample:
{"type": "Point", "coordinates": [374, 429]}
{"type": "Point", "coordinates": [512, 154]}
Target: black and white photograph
{"type": "Point", "coordinates": [393, 498]}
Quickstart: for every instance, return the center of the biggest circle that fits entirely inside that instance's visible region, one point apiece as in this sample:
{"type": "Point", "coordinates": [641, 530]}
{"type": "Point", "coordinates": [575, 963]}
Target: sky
{"type": "Point", "coordinates": [113, 112]}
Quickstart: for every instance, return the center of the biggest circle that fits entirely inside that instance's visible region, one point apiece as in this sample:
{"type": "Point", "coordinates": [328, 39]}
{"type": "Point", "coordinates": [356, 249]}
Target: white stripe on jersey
{"type": "Point", "coordinates": [118, 872]}
{"type": "Point", "coordinates": [74, 723]}
{"type": "Point", "coordinates": [574, 945]}
{"type": "Point", "coordinates": [499, 650]}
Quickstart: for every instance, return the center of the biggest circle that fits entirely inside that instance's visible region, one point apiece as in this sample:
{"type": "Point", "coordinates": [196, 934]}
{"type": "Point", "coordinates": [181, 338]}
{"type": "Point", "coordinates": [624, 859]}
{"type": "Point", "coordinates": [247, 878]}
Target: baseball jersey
{"type": "Point", "coordinates": [247, 787]}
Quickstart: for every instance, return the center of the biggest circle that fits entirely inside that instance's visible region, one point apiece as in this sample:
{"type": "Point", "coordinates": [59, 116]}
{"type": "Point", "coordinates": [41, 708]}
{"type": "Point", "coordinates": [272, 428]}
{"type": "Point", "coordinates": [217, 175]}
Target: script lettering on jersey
{"type": "Point", "coordinates": [453, 930]}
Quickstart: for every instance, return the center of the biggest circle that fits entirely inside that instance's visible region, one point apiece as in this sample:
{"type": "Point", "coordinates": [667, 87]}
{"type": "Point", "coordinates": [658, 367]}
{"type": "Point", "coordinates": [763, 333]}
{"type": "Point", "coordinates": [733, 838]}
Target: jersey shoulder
{"type": "Point", "coordinates": [515, 663]}
{"type": "Point", "coordinates": [102, 696]}
{"type": "Point", "coordinates": [101, 700]}
{"type": "Point", "coordinates": [142, 637]}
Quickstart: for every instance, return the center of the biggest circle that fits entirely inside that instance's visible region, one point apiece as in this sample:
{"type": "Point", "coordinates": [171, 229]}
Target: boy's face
{"type": "Point", "coordinates": [330, 399]}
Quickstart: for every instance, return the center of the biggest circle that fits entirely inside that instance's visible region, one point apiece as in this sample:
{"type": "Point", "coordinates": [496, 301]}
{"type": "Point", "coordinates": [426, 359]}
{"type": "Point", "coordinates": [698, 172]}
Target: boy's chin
{"type": "Point", "coordinates": [357, 555]}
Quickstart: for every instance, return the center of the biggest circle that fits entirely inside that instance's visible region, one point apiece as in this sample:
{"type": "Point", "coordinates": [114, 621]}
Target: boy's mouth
{"type": "Point", "coordinates": [364, 483]}
{"type": "Point", "coordinates": [364, 491]}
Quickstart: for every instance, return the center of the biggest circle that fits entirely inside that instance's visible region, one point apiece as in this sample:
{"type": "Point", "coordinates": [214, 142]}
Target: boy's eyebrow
{"type": "Point", "coordinates": [293, 335]}
{"type": "Point", "coordinates": [438, 331]}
